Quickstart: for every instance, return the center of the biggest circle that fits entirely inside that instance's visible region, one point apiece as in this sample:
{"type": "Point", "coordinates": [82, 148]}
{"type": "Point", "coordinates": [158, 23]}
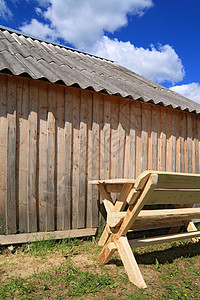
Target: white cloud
{"type": "Point", "coordinates": [83, 22]}
{"type": "Point", "coordinates": [161, 64]}
{"type": "Point", "coordinates": [38, 11]}
{"type": "Point", "coordinates": [4, 10]}
{"type": "Point", "coordinates": [191, 90]}
{"type": "Point", "coordinates": [36, 29]}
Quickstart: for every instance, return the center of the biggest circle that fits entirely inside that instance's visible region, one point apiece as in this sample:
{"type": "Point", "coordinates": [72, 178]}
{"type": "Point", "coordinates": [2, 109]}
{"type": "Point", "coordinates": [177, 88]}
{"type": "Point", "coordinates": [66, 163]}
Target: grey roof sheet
{"type": "Point", "coordinates": [21, 54]}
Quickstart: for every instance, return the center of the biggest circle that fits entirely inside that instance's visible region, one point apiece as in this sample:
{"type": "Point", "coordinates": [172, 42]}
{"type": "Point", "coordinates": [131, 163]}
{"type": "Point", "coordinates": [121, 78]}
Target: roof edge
{"type": "Point", "coordinates": [52, 43]}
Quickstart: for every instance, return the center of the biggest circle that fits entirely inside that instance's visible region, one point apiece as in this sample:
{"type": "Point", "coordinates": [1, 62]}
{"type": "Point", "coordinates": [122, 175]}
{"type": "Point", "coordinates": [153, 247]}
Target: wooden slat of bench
{"type": "Point", "coordinates": [172, 196]}
{"type": "Point", "coordinates": [156, 216]}
{"type": "Point", "coordinates": [112, 181]}
{"type": "Point", "coordinates": [164, 215]}
{"type": "Point", "coordinates": [155, 225]}
{"type": "Point", "coordinates": [178, 181]}
{"type": "Point", "coordinates": [163, 239]}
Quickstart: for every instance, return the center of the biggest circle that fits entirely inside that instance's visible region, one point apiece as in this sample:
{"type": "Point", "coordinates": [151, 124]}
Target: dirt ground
{"type": "Point", "coordinates": [25, 265]}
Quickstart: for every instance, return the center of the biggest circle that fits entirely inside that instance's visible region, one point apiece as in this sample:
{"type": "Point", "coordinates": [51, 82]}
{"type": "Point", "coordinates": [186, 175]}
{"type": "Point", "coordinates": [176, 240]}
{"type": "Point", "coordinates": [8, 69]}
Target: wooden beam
{"type": "Point", "coordinates": [119, 206]}
{"type": "Point", "coordinates": [38, 236]}
{"type": "Point", "coordinates": [134, 210]}
{"type": "Point", "coordinates": [114, 219]}
{"type": "Point", "coordinates": [172, 196]}
{"type": "Point", "coordinates": [107, 200]}
{"type": "Point", "coordinates": [163, 239]}
{"type": "Point", "coordinates": [164, 215]}
{"type": "Point", "coordinates": [129, 262]}
{"type": "Point", "coordinates": [113, 181]}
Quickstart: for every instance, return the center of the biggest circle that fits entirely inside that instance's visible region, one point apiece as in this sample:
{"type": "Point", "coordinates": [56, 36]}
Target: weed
{"type": "Point", "coordinates": [157, 265]}
{"type": "Point", "coordinates": [16, 287]}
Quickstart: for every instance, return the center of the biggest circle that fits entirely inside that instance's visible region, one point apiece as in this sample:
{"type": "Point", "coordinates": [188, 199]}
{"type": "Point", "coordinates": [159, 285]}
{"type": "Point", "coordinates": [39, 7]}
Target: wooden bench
{"type": "Point", "coordinates": [151, 187]}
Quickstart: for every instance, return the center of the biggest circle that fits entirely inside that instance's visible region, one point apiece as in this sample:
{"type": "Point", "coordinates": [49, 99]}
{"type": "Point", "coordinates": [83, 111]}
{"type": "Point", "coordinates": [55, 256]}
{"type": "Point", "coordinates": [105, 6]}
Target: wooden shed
{"type": "Point", "coordinates": [67, 117]}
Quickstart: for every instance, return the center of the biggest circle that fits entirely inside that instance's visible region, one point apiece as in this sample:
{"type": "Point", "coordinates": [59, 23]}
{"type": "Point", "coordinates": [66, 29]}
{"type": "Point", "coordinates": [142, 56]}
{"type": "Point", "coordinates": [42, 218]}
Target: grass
{"type": "Point", "coordinates": [171, 271]}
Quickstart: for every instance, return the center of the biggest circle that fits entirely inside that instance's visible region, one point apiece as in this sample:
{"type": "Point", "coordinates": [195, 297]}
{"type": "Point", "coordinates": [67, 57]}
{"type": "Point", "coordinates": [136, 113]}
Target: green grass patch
{"type": "Point", "coordinates": [64, 281]}
{"type": "Point", "coordinates": [171, 271]}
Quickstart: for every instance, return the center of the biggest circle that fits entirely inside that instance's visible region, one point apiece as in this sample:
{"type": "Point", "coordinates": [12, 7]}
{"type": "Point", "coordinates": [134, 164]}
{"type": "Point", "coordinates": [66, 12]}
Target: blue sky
{"type": "Point", "coordinates": [159, 39]}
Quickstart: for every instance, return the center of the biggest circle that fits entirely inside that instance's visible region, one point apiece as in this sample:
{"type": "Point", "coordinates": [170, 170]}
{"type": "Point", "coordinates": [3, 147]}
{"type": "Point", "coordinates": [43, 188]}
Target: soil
{"type": "Point", "coordinates": [25, 265]}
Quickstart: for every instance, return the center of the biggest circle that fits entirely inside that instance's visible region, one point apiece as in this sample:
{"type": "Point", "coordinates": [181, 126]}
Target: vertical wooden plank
{"type": "Point", "coordinates": [76, 149]}
{"type": "Point", "coordinates": [182, 139]}
{"type": "Point", "coordinates": [60, 141]}
{"type": "Point", "coordinates": [149, 146]}
{"type": "Point", "coordinates": [101, 148]}
{"type": "Point", "coordinates": [22, 115]}
{"type": "Point", "coordinates": [167, 128]}
{"type": "Point", "coordinates": [32, 202]}
{"type": "Point", "coordinates": [106, 132]}
{"type": "Point", "coordinates": [174, 131]}
{"type": "Point", "coordinates": [178, 142]}
{"type": "Point", "coordinates": [95, 157]}
{"type": "Point", "coordinates": [43, 192]}
{"type": "Point", "coordinates": [122, 136]}
{"type": "Point", "coordinates": [51, 158]}
{"type": "Point", "coordinates": [68, 158]}
{"type": "Point", "coordinates": [132, 162]}
{"type": "Point", "coordinates": [114, 121]}
{"type": "Point", "coordinates": [160, 136]}
{"type": "Point", "coordinates": [198, 142]}
{"type": "Point", "coordinates": [153, 164]}
{"type": "Point", "coordinates": [11, 225]}
{"type": "Point", "coordinates": [92, 156]}
{"type": "Point", "coordinates": [195, 145]}
{"type": "Point", "coordinates": [146, 129]}
{"type": "Point", "coordinates": [85, 115]}
{"type": "Point", "coordinates": [3, 153]}
{"type": "Point", "coordinates": [126, 125]}
{"type": "Point", "coordinates": [189, 142]}
{"type": "Point", "coordinates": [138, 130]}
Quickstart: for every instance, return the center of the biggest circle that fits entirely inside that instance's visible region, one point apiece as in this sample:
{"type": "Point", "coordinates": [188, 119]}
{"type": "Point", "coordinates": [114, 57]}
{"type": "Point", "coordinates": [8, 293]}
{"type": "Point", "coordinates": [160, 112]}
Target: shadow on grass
{"type": "Point", "coordinates": [164, 256]}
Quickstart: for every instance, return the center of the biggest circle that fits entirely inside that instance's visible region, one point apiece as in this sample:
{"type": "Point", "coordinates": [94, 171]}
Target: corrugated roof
{"type": "Point", "coordinates": [22, 54]}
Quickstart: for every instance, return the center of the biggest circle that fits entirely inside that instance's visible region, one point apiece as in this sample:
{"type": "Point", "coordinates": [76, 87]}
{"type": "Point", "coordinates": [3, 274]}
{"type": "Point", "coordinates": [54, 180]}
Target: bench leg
{"type": "Point", "coordinates": [129, 262]}
{"type": "Point", "coordinates": [106, 253]}
{"type": "Point", "coordinates": [105, 236]}
{"type": "Point", "coordinates": [119, 206]}
{"type": "Point", "coordinates": [191, 227]}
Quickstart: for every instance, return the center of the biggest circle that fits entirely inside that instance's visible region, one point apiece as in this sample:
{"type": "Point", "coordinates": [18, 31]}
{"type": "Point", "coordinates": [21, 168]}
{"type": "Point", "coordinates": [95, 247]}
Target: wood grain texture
{"type": "Point", "coordinates": [53, 141]}
{"type": "Point", "coordinates": [67, 210]}
{"type": "Point", "coordinates": [153, 145]}
{"type": "Point", "coordinates": [138, 140]}
{"type": "Point", "coordinates": [106, 138]}
{"type": "Point", "coordinates": [95, 199]}
{"type": "Point", "coordinates": [189, 151]}
{"type": "Point", "coordinates": [163, 239]}
{"type": "Point", "coordinates": [76, 157]}
{"type": "Point", "coordinates": [85, 113]}
{"type": "Point", "coordinates": [11, 209]}
{"type": "Point", "coordinates": [23, 146]}
{"type": "Point", "coordinates": [146, 129]}
{"type": "Point", "coordinates": [3, 153]}
{"type": "Point", "coordinates": [43, 176]}
{"type": "Point", "coordinates": [40, 236]}
{"type": "Point", "coordinates": [51, 159]}
{"type": "Point", "coordinates": [32, 201]}
{"type": "Point", "coordinates": [132, 160]}
{"type": "Point", "coordinates": [129, 262]}
{"type": "Point", "coordinates": [114, 137]}
{"type": "Point", "coordinates": [60, 153]}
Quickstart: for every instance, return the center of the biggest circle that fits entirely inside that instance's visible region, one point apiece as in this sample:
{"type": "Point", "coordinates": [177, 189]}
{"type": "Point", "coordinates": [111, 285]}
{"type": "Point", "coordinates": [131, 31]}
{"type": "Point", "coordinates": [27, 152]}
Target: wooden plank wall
{"type": "Point", "coordinates": [54, 139]}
